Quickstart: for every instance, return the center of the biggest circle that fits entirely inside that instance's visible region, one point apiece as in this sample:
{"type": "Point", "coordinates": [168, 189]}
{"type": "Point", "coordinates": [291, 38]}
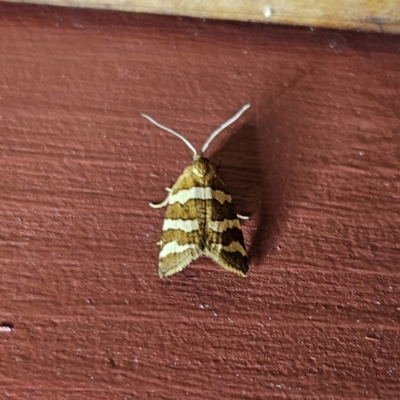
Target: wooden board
{"type": "Point", "coordinates": [370, 15]}
{"type": "Point", "coordinates": [314, 163]}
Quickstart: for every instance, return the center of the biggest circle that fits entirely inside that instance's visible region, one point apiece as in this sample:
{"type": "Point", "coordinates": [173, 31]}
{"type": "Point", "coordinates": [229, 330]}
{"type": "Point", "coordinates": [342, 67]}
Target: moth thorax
{"type": "Point", "coordinates": [201, 166]}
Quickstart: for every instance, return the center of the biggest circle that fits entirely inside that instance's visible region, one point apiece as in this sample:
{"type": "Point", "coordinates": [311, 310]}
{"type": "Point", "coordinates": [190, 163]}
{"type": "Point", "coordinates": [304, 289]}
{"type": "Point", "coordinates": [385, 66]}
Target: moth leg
{"type": "Point", "coordinates": [162, 204]}
{"type": "Point", "coordinates": [242, 216]}
{"type": "Point", "coordinates": [169, 190]}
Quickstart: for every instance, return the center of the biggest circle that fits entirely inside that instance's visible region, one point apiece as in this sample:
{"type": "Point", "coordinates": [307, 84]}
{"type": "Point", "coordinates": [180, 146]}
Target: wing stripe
{"type": "Point", "coordinates": [188, 225]}
{"type": "Point", "coordinates": [199, 193]}
{"type": "Point", "coordinates": [233, 247]}
{"type": "Point", "coordinates": [222, 226]}
{"type": "Point", "coordinates": [173, 248]}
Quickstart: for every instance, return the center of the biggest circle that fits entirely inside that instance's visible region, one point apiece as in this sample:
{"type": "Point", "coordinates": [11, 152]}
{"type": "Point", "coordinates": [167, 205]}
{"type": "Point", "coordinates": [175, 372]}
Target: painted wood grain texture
{"type": "Point", "coordinates": [314, 162]}
{"type": "Point", "coordinates": [371, 15]}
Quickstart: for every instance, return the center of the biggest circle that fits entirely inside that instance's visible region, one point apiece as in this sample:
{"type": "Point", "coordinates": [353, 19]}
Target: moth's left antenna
{"type": "Point", "coordinates": [180, 136]}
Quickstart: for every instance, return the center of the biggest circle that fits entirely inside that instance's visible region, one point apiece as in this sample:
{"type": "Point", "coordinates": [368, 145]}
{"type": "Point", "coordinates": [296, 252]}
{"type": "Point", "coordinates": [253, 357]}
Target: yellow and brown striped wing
{"type": "Point", "coordinates": [181, 241]}
{"type": "Point", "coordinates": [223, 233]}
{"type": "Point", "coordinates": [201, 219]}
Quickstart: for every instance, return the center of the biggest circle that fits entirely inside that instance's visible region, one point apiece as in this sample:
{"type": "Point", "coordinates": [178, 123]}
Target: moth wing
{"type": "Point", "coordinates": [177, 261]}
{"type": "Point", "coordinates": [181, 240]}
{"type": "Point", "coordinates": [232, 260]}
{"type": "Point", "coordinates": [224, 238]}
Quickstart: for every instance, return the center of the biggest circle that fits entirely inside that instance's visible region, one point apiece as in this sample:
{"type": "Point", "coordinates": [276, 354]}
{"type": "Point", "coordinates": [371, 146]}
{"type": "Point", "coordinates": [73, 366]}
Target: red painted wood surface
{"type": "Point", "coordinates": [314, 162]}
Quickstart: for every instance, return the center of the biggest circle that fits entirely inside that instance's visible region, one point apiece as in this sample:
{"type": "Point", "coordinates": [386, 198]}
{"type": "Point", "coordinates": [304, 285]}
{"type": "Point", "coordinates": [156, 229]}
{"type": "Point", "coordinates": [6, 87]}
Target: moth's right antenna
{"type": "Point", "coordinates": [223, 126]}
{"type": "Point", "coordinates": [180, 136]}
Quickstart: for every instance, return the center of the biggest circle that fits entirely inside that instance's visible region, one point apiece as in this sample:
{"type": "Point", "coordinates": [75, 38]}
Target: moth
{"type": "Point", "coordinates": [200, 217]}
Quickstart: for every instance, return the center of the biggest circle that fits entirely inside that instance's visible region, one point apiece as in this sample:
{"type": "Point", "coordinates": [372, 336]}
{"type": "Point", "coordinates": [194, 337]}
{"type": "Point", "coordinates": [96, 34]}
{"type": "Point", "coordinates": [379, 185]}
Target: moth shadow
{"type": "Point", "coordinates": [246, 166]}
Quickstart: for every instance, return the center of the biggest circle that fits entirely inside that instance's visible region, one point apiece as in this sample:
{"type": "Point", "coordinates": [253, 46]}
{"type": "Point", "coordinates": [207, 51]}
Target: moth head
{"type": "Point", "coordinates": [201, 166]}
{"type": "Point", "coordinates": [199, 158]}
